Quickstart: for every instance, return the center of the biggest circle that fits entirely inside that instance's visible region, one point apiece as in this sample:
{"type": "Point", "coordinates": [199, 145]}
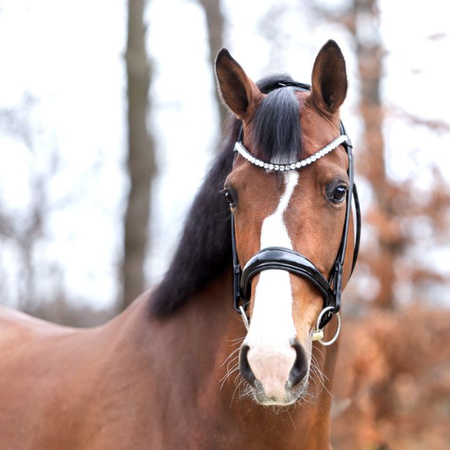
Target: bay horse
{"type": "Point", "coordinates": [272, 233]}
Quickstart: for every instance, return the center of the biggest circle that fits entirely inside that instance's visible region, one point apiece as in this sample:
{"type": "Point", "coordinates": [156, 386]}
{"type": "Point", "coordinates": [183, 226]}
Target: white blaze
{"type": "Point", "coordinates": [272, 325]}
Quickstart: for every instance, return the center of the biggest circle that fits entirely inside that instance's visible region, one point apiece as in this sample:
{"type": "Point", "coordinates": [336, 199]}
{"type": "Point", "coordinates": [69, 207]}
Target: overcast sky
{"type": "Point", "coordinates": [62, 76]}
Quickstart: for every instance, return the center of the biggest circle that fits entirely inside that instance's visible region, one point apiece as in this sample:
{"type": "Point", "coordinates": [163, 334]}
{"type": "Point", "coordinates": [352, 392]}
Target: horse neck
{"type": "Point", "coordinates": [209, 336]}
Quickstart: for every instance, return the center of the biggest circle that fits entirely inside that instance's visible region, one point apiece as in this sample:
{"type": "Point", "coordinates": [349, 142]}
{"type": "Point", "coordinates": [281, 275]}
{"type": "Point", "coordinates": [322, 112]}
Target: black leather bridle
{"type": "Point", "coordinates": [281, 258]}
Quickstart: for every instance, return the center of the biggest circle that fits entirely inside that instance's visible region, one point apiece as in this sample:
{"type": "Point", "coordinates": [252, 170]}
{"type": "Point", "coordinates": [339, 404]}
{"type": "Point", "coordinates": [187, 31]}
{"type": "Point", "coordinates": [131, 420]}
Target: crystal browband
{"type": "Point", "coordinates": [239, 147]}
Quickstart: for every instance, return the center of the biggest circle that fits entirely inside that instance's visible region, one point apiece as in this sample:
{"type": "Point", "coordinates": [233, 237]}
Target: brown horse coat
{"type": "Point", "coordinates": [136, 383]}
{"type": "Point", "coordinates": [164, 373]}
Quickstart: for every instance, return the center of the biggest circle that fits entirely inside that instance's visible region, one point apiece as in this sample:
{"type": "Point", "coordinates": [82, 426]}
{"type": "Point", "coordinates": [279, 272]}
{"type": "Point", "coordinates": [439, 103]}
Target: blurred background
{"type": "Point", "coordinates": [108, 120]}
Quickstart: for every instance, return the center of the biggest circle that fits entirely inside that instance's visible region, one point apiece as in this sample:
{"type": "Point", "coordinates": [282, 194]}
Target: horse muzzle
{"type": "Point", "coordinates": [277, 375]}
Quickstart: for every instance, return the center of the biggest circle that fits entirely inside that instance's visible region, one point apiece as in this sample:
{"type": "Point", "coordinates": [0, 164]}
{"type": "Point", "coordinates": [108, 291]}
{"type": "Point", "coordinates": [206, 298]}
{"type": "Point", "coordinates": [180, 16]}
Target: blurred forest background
{"type": "Point", "coordinates": [109, 116]}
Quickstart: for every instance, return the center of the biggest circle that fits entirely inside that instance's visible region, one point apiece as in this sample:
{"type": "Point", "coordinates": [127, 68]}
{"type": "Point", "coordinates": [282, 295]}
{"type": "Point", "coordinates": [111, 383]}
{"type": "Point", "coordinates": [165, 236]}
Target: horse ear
{"type": "Point", "coordinates": [329, 79]}
{"type": "Point", "coordinates": [238, 92]}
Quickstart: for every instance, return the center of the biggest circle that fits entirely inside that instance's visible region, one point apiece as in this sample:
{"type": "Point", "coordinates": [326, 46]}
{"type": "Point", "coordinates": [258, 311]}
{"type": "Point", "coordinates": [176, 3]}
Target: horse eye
{"type": "Point", "coordinates": [338, 194]}
{"type": "Point", "coordinates": [229, 198]}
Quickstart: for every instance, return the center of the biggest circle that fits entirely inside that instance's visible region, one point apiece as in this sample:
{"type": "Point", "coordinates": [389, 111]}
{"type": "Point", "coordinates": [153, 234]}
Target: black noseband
{"type": "Point", "coordinates": [284, 259]}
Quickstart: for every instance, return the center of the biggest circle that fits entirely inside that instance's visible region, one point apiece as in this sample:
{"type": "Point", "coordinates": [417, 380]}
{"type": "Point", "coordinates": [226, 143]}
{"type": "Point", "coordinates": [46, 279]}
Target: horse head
{"type": "Point", "coordinates": [290, 193]}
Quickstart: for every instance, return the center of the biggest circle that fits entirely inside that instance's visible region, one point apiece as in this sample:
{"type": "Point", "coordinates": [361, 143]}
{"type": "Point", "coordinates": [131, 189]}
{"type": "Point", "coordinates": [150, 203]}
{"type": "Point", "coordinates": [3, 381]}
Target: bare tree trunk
{"type": "Point", "coordinates": [215, 24]}
{"type": "Point", "coordinates": [141, 159]}
{"type": "Point", "coordinates": [369, 53]}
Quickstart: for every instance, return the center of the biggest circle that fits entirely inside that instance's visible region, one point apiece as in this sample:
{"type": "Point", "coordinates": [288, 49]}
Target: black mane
{"type": "Point", "coordinates": [204, 250]}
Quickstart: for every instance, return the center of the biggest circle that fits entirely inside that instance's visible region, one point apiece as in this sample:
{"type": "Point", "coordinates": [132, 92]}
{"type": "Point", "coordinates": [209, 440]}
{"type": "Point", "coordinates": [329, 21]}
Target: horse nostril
{"type": "Point", "coordinates": [244, 366]}
{"type": "Point", "coordinates": [300, 367]}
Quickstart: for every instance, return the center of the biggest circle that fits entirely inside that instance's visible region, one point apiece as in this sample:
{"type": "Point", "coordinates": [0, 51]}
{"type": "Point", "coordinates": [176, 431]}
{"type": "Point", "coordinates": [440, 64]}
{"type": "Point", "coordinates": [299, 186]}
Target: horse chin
{"type": "Point", "coordinates": [292, 394]}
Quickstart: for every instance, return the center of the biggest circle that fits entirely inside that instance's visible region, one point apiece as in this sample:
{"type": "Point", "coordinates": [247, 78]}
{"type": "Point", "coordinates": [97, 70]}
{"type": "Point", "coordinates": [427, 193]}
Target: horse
{"type": "Point", "coordinates": [232, 349]}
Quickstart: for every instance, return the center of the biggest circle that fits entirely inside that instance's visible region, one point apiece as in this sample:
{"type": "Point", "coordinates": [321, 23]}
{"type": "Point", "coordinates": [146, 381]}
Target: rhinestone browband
{"type": "Point", "coordinates": [239, 147]}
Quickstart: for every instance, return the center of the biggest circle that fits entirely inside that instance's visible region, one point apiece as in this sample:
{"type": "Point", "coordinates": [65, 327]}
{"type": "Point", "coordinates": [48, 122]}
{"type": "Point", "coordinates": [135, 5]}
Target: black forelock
{"type": "Point", "coordinates": [276, 132]}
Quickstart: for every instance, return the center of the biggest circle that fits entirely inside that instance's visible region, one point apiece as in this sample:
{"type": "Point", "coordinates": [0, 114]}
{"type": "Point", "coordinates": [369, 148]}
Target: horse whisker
{"type": "Point", "coordinates": [236, 350]}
